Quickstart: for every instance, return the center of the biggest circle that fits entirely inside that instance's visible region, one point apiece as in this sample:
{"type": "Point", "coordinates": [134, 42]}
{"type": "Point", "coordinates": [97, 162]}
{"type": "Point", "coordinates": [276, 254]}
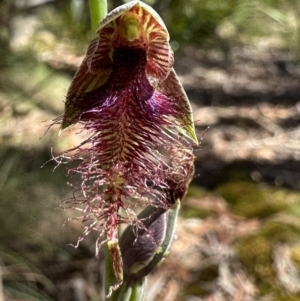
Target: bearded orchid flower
{"type": "Point", "coordinates": [127, 95]}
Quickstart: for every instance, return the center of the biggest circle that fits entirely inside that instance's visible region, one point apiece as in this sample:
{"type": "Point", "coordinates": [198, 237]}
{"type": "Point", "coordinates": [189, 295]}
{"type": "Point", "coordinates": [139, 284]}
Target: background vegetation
{"type": "Point", "coordinates": [238, 236]}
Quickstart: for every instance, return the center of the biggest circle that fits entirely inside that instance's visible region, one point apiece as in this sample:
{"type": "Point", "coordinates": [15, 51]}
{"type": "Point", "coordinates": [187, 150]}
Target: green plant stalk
{"type": "Point", "coordinates": [138, 290]}
{"type": "Point", "coordinates": [131, 290]}
{"type": "Point", "coordinates": [98, 10]}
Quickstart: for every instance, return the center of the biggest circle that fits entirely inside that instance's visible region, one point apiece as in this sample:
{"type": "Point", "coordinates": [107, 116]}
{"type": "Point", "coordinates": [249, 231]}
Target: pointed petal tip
{"type": "Point", "coordinates": [192, 134]}
{"type": "Point", "coordinates": [64, 126]}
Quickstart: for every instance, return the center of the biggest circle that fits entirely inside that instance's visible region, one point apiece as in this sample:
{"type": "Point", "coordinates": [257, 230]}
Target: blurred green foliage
{"type": "Point", "coordinates": [217, 23]}
{"type": "Point", "coordinates": [207, 23]}
{"type": "Point", "coordinates": [195, 22]}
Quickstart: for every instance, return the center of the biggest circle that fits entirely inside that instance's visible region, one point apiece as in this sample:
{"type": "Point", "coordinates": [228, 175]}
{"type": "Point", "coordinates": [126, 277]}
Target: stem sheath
{"type": "Point", "coordinates": [98, 10]}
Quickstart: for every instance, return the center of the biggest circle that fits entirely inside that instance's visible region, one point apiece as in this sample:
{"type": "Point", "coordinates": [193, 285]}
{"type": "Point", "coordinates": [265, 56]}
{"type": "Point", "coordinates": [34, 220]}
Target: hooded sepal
{"type": "Point", "coordinates": [133, 25]}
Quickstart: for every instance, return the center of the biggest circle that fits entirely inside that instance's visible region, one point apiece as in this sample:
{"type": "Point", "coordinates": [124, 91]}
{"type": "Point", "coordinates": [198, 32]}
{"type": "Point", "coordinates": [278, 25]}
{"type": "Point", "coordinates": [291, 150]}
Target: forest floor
{"type": "Point", "coordinates": [238, 233]}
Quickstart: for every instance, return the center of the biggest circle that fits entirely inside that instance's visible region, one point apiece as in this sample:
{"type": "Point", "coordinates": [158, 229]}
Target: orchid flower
{"type": "Point", "coordinates": [127, 96]}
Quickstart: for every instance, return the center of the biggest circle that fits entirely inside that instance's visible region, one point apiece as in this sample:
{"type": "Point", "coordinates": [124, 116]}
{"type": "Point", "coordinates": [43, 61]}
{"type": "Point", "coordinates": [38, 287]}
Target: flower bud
{"type": "Point", "coordinates": [139, 247]}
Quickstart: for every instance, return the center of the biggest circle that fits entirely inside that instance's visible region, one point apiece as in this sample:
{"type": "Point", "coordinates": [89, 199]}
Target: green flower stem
{"type": "Point", "coordinates": [98, 10]}
{"type": "Point", "coordinates": [138, 290]}
{"type": "Point", "coordinates": [131, 290]}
